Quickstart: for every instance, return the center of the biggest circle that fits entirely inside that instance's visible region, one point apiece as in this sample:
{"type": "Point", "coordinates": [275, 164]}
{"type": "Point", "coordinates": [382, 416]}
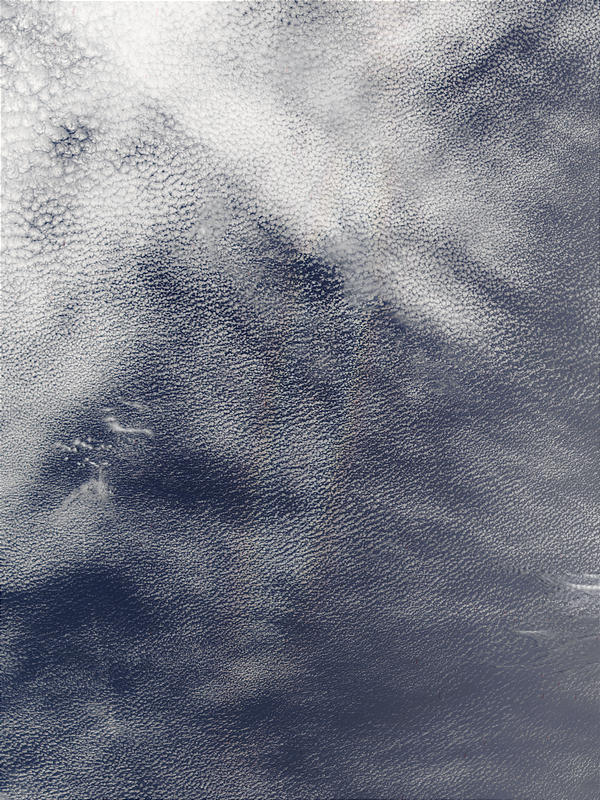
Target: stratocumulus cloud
{"type": "Point", "coordinates": [299, 456]}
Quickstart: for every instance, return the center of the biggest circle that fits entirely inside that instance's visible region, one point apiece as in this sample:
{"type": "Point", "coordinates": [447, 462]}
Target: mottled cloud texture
{"type": "Point", "coordinates": [299, 450]}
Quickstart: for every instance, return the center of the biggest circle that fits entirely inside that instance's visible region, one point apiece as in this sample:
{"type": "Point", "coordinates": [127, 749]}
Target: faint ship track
{"type": "Point", "coordinates": [560, 648]}
{"type": "Point", "coordinates": [116, 427]}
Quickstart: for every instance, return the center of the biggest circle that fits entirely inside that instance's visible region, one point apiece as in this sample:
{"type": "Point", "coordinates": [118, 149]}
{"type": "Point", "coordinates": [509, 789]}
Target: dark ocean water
{"type": "Point", "coordinates": [300, 424]}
